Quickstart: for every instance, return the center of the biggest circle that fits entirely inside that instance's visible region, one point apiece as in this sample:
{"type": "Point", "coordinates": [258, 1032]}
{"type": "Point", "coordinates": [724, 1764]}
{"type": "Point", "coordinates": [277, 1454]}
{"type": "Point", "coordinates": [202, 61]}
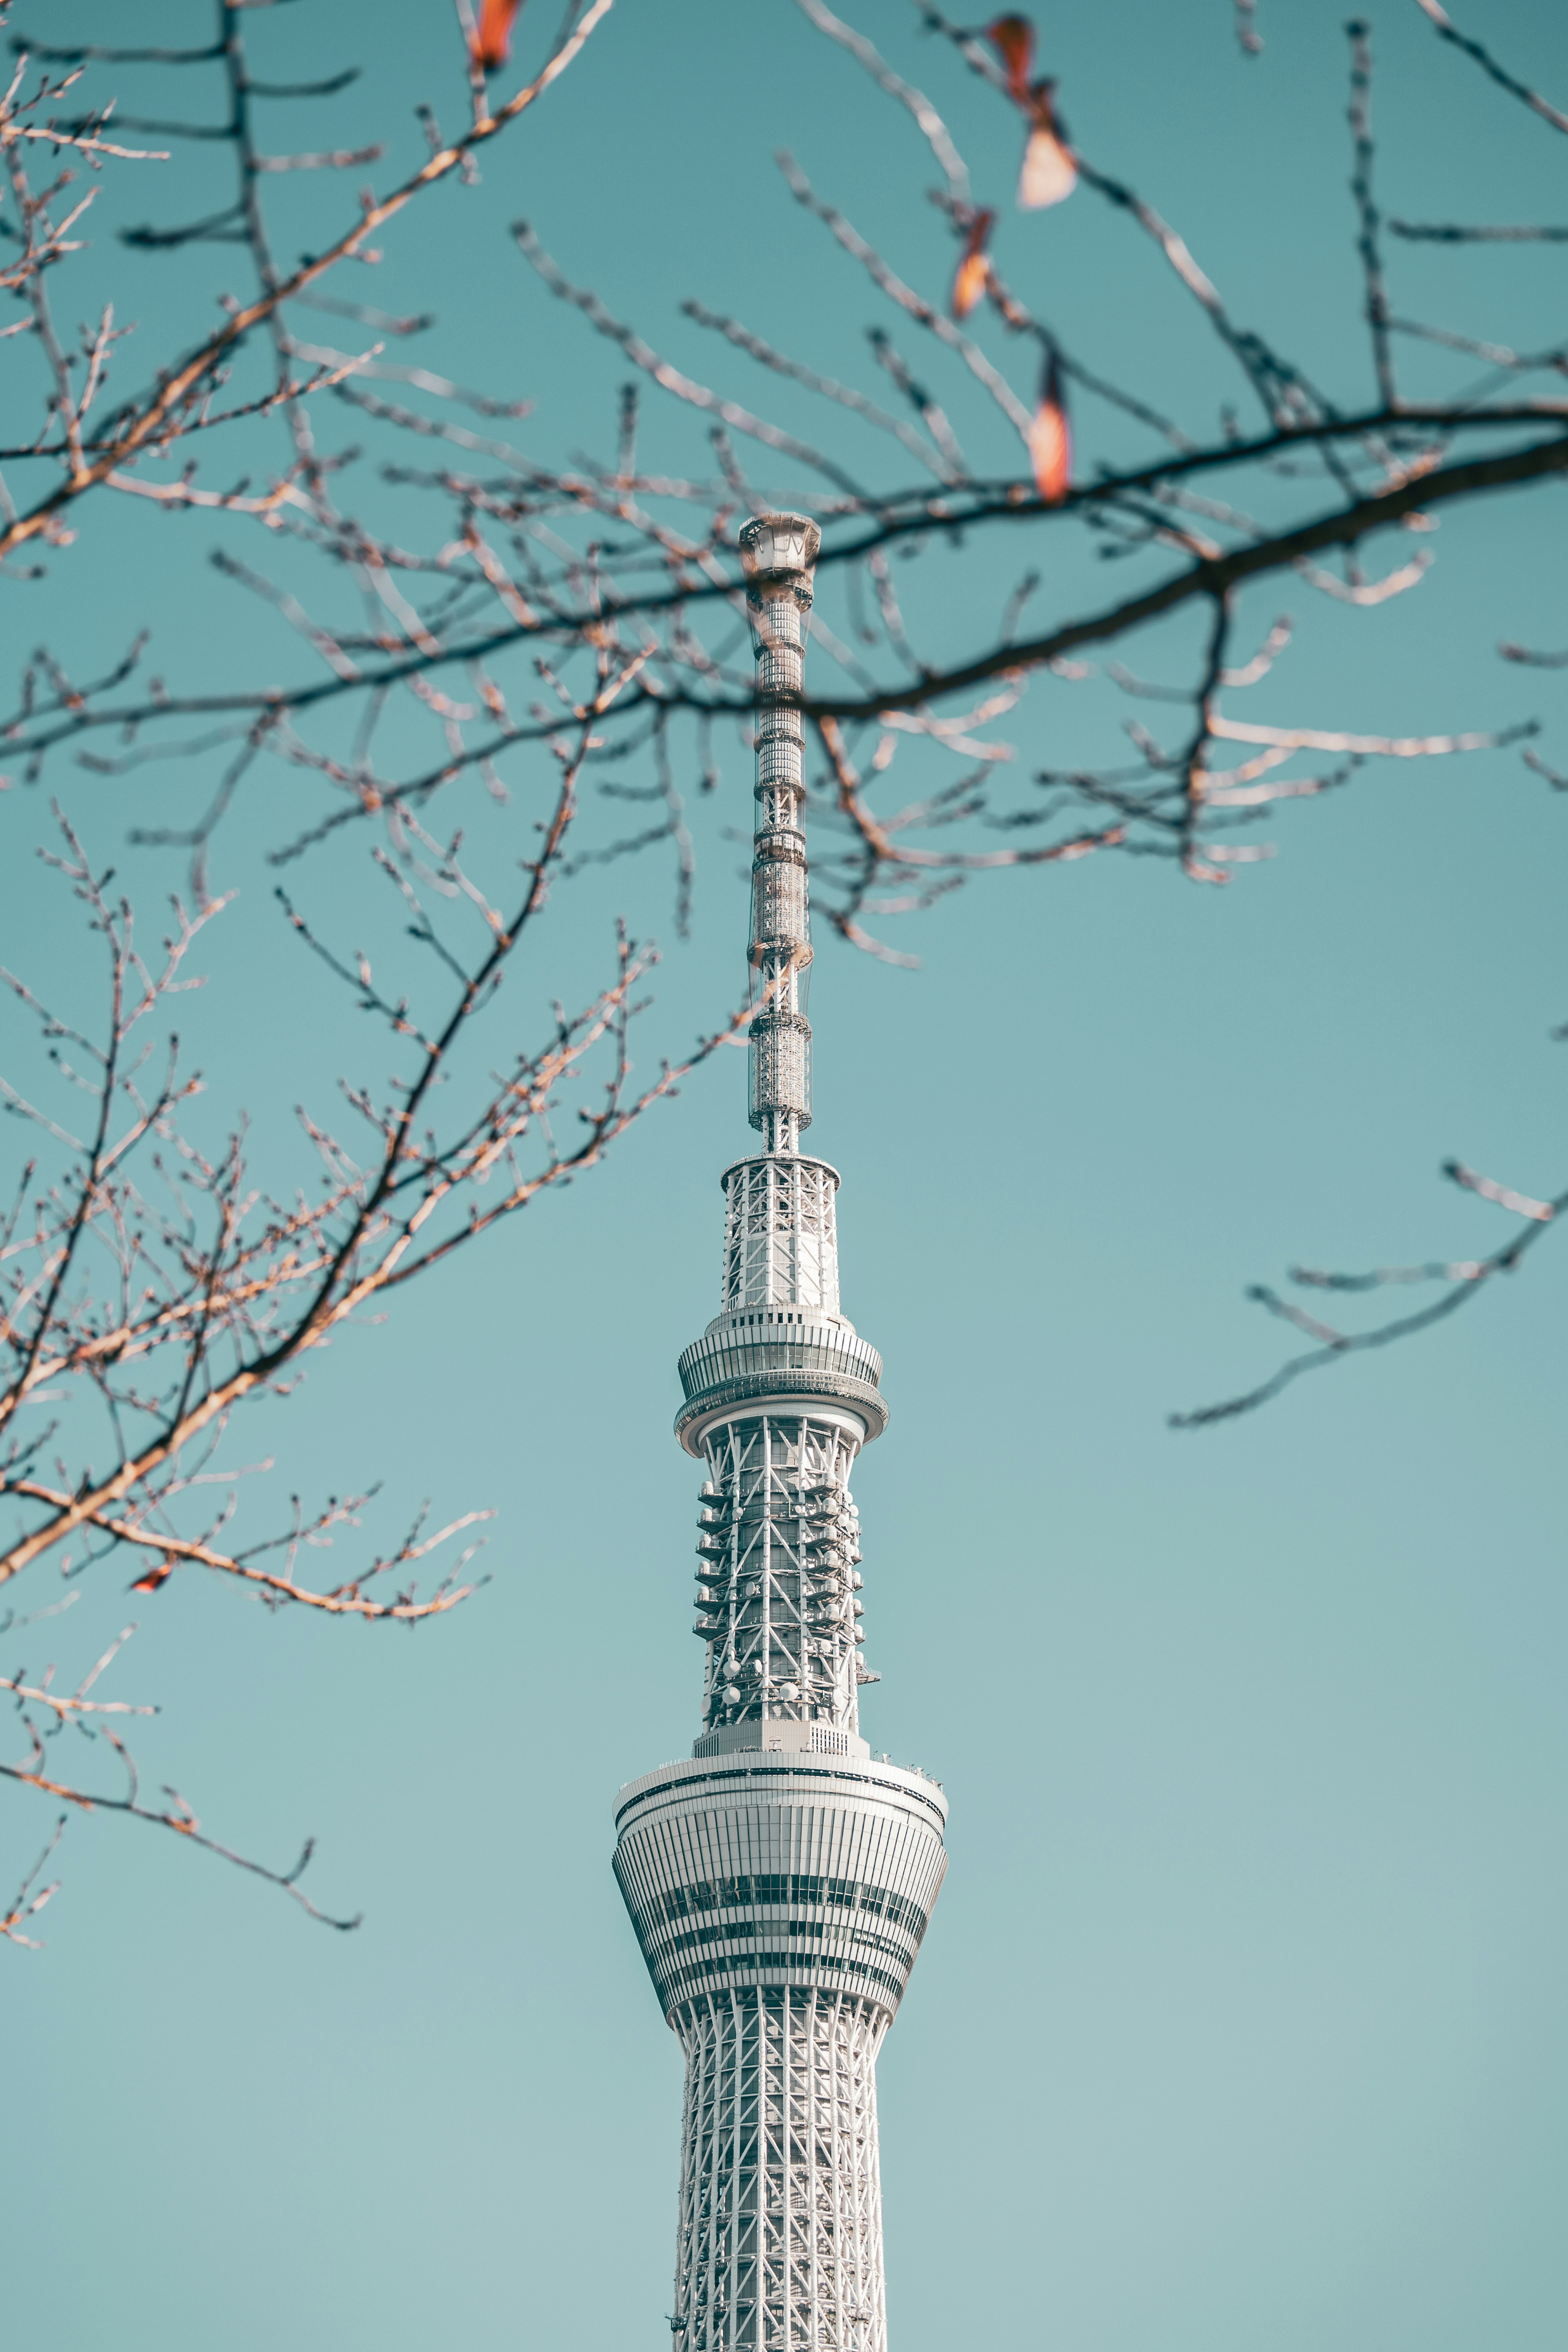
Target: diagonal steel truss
{"type": "Point", "coordinates": [780, 1234]}
{"type": "Point", "coordinates": [779, 2246]}
{"type": "Point", "coordinates": [778, 1542]}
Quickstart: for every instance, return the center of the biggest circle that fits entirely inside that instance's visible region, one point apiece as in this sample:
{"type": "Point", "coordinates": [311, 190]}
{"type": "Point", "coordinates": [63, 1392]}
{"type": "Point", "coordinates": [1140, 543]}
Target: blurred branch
{"type": "Point", "coordinates": [1448, 31]}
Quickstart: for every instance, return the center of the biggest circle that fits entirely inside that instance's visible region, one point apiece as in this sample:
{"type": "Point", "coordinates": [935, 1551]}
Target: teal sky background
{"type": "Point", "coordinates": [1240, 2021]}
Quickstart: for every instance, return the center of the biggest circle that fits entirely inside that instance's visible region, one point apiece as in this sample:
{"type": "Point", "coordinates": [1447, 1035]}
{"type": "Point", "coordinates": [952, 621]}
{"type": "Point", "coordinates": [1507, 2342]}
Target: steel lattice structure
{"type": "Point", "coordinates": [780, 1880]}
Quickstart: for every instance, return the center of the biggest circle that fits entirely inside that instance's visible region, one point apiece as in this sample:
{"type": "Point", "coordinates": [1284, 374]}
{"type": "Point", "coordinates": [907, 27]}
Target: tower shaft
{"type": "Point", "coordinates": [780, 1881]}
{"type": "Point", "coordinates": [780, 2212]}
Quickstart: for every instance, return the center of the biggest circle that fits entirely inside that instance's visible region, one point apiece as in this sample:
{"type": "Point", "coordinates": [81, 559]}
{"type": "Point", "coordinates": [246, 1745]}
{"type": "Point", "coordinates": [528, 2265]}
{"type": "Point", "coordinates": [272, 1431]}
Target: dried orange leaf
{"type": "Point", "coordinates": [1012, 37]}
{"type": "Point", "coordinates": [1050, 441]}
{"type": "Point", "coordinates": [974, 270]}
{"type": "Point", "coordinates": [493, 40]}
{"type": "Point", "coordinates": [969, 283]}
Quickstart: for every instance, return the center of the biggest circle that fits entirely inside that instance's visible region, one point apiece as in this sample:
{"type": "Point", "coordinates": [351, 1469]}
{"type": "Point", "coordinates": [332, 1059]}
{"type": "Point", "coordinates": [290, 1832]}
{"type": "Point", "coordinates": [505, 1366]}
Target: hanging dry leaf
{"type": "Point", "coordinates": [1012, 37]}
{"type": "Point", "coordinates": [974, 269]}
{"type": "Point", "coordinates": [493, 40]}
{"type": "Point", "coordinates": [1048, 172]}
{"type": "Point", "coordinates": [1050, 439]}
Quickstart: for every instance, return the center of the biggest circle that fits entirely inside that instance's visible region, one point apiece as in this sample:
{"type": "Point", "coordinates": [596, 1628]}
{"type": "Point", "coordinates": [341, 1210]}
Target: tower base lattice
{"type": "Point", "coordinates": [778, 2245]}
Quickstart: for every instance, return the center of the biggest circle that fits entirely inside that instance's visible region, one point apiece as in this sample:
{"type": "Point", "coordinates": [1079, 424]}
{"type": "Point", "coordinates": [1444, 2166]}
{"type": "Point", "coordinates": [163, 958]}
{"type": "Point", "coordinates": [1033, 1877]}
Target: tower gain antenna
{"type": "Point", "coordinates": [777, 552]}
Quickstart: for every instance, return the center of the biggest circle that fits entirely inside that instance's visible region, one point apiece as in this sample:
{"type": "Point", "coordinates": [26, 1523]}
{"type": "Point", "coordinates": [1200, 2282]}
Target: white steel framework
{"type": "Point", "coordinates": [779, 2238]}
{"type": "Point", "coordinates": [780, 1234]}
{"type": "Point", "coordinates": [776, 1580]}
{"type": "Point", "coordinates": [780, 1881]}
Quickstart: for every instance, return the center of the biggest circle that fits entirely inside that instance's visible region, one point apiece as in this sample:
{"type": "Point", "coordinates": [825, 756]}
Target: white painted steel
{"type": "Point", "coordinates": [778, 1542]}
{"type": "Point", "coordinates": [781, 1879]}
{"type": "Point", "coordinates": [778, 2241]}
{"type": "Point", "coordinates": [777, 552]}
{"type": "Point", "coordinates": [780, 1234]}
{"type": "Point", "coordinates": [754, 1871]}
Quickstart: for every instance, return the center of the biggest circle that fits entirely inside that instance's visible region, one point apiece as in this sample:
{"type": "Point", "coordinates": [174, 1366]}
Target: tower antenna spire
{"type": "Point", "coordinates": [779, 555]}
{"type": "Point", "coordinates": [780, 1881]}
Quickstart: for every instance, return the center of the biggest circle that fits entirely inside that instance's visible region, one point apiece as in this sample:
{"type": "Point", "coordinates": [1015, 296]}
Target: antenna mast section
{"type": "Point", "coordinates": [779, 553]}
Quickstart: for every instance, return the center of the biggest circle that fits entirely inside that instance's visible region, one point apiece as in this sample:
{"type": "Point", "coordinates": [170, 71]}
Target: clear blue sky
{"type": "Point", "coordinates": [1241, 2019]}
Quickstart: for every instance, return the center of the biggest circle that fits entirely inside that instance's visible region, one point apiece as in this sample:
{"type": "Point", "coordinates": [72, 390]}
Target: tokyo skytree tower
{"type": "Point", "coordinates": [780, 1880]}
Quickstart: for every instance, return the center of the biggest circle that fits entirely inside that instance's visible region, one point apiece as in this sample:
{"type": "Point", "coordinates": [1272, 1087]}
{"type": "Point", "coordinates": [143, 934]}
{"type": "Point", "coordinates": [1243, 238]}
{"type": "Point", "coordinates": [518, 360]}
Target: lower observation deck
{"type": "Point", "coordinates": [759, 1869]}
